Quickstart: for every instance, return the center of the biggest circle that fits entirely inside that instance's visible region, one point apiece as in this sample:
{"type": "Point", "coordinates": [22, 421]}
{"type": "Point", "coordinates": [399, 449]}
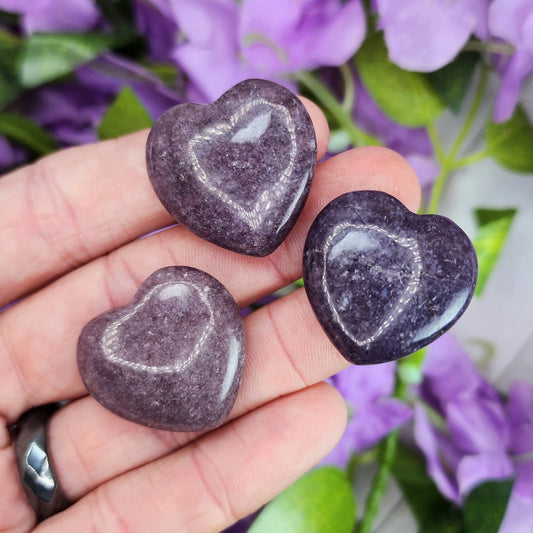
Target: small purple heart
{"type": "Point", "coordinates": [383, 281]}
{"type": "Point", "coordinates": [236, 172]}
{"type": "Point", "coordinates": [171, 359]}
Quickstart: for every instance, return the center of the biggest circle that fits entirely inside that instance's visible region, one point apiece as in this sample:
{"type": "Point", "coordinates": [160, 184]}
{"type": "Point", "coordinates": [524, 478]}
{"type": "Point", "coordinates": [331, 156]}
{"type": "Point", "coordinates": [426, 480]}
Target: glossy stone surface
{"type": "Point", "coordinates": [236, 172]}
{"type": "Point", "coordinates": [34, 465]}
{"type": "Point", "coordinates": [173, 358]}
{"type": "Point", "coordinates": [383, 281]}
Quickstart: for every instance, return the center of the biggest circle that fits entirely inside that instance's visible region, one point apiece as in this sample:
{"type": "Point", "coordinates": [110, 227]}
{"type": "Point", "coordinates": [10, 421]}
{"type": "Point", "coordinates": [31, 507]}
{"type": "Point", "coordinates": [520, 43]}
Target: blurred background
{"type": "Point", "coordinates": [448, 84]}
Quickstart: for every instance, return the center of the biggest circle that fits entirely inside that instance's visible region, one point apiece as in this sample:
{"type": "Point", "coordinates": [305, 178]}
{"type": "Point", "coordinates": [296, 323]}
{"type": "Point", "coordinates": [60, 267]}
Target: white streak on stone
{"type": "Point", "coordinates": [177, 290]}
{"type": "Point", "coordinates": [255, 129]}
{"type": "Point", "coordinates": [233, 362]}
{"type": "Point", "coordinates": [358, 241]}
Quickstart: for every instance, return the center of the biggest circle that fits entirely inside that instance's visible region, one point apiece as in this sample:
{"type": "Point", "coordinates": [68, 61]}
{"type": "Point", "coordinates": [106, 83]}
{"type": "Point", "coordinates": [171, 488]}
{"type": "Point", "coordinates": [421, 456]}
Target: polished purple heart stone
{"type": "Point", "coordinates": [171, 359]}
{"type": "Point", "coordinates": [383, 281]}
{"type": "Point", "coordinates": [235, 172]}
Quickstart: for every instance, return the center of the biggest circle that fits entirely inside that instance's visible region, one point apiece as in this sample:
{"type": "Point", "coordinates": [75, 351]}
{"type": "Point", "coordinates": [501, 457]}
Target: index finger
{"type": "Point", "coordinates": [79, 204]}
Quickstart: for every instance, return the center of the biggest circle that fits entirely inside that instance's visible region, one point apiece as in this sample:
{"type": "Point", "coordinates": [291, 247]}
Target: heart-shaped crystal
{"type": "Point", "coordinates": [383, 281]}
{"type": "Point", "coordinates": [173, 358]}
{"type": "Point", "coordinates": [236, 172]}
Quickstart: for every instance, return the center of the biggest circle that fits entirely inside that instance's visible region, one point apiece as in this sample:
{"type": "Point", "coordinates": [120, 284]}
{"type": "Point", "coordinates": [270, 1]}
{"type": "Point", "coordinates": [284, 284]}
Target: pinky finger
{"type": "Point", "coordinates": [219, 478]}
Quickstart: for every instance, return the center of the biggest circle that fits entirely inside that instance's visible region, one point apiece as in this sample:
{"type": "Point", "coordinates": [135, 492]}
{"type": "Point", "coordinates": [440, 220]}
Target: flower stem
{"type": "Point", "coordinates": [349, 89]}
{"type": "Point", "coordinates": [448, 161]}
{"type": "Point", "coordinates": [437, 189]}
{"type": "Point", "coordinates": [357, 136]}
{"type": "Point", "coordinates": [491, 47]}
{"type": "Point", "coordinates": [379, 485]}
{"type": "Point", "coordinates": [463, 132]}
{"type": "Point", "coordinates": [472, 158]}
{"type": "Point", "coordinates": [435, 141]}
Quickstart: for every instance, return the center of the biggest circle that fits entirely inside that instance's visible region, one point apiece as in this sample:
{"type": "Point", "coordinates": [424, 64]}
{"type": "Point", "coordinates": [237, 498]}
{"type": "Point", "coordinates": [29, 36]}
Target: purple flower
{"type": "Point", "coordinates": [10, 156]}
{"type": "Point", "coordinates": [302, 37]}
{"type": "Point", "coordinates": [111, 73]}
{"type": "Point", "coordinates": [519, 516]}
{"type": "Point", "coordinates": [226, 43]}
{"type": "Point", "coordinates": [374, 414]}
{"type": "Point", "coordinates": [54, 15]}
{"type": "Point", "coordinates": [73, 110]}
{"type": "Point", "coordinates": [512, 21]}
{"type": "Point", "coordinates": [424, 35]}
{"type": "Point", "coordinates": [473, 445]}
{"type": "Point", "coordinates": [467, 434]}
{"type": "Point", "coordinates": [155, 22]}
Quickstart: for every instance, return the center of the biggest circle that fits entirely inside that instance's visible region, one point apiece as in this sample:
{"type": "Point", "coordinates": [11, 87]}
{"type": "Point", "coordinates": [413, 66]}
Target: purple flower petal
{"type": "Point", "coordinates": [476, 469]}
{"type": "Point", "coordinates": [111, 73]}
{"type": "Point", "coordinates": [342, 453]}
{"type": "Point", "coordinates": [7, 154]}
{"type": "Point", "coordinates": [518, 68]}
{"type": "Point", "coordinates": [302, 37]}
{"type": "Point", "coordinates": [426, 439]}
{"type": "Point", "coordinates": [360, 385]}
{"type": "Point", "coordinates": [507, 17]}
{"type": "Point", "coordinates": [478, 425]}
{"type": "Point", "coordinates": [208, 24]}
{"type": "Point", "coordinates": [449, 373]}
{"type": "Point", "coordinates": [371, 119]}
{"type": "Point", "coordinates": [374, 421]}
{"type": "Point", "coordinates": [367, 426]}
{"type": "Point", "coordinates": [425, 36]}
{"type": "Point", "coordinates": [520, 414]}
{"type": "Point", "coordinates": [512, 21]}
{"type": "Point", "coordinates": [426, 168]}
{"type": "Point", "coordinates": [524, 478]}
{"type": "Point", "coordinates": [54, 15]}
{"type": "Point", "coordinates": [226, 43]}
{"type": "Point", "coordinates": [159, 29]}
{"type": "Point", "coordinates": [518, 516]}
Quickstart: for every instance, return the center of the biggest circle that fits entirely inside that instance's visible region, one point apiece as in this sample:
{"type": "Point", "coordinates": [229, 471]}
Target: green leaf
{"type": "Point", "coordinates": [406, 97]}
{"type": "Point", "coordinates": [493, 228]}
{"type": "Point", "coordinates": [410, 367]}
{"type": "Point", "coordinates": [8, 18]}
{"type": "Point", "coordinates": [26, 132]}
{"type": "Point", "coordinates": [485, 506]}
{"type": "Point", "coordinates": [119, 13]}
{"type": "Point", "coordinates": [125, 115]}
{"type": "Point", "coordinates": [48, 56]}
{"type": "Point", "coordinates": [10, 50]}
{"type": "Point", "coordinates": [166, 72]}
{"type": "Point", "coordinates": [320, 502]}
{"type": "Point", "coordinates": [431, 510]}
{"type": "Point", "coordinates": [511, 142]}
{"type": "Point", "coordinates": [451, 81]}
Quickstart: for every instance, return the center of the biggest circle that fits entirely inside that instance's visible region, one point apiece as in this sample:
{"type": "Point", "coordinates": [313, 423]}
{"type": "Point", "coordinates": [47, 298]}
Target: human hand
{"type": "Point", "coordinates": [69, 227]}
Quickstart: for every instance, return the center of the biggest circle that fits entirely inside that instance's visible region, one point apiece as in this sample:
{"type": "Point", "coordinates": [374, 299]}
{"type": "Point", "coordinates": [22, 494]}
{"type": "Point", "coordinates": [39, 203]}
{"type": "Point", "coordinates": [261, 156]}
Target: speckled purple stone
{"type": "Point", "coordinates": [173, 358]}
{"type": "Point", "coordinates": [235, 172]}
{"type": "Point", "coordinates": [383, 281]}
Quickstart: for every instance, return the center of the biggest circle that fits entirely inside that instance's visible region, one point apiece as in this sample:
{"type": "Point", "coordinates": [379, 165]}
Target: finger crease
{"type": "Point", "coordinates": [229, 515]}
{"type": "Point", "coordinates": [41, 179]}
{"type": "Point", "coordinates": [110, 517]}
{"type": "Point", "coordinates": [284, 278]}
{"type": "Point", "coordinates": [11, 357]}
{"type": "Point", "coordinates": [284, 349]}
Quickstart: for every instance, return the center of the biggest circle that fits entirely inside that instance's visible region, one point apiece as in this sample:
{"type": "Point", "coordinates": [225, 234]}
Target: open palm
{"type": "Point", "coordinates": [69, 229]}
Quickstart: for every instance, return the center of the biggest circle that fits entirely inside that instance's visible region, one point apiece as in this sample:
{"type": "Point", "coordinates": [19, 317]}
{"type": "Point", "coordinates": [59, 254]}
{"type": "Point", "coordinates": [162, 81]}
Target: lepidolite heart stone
{"type": "Point", "coordinates": [173, 358]}
{"type": "Point", "coordinates": [235, 172]}
{"type": "Point", "coordinates": [383, 281]}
